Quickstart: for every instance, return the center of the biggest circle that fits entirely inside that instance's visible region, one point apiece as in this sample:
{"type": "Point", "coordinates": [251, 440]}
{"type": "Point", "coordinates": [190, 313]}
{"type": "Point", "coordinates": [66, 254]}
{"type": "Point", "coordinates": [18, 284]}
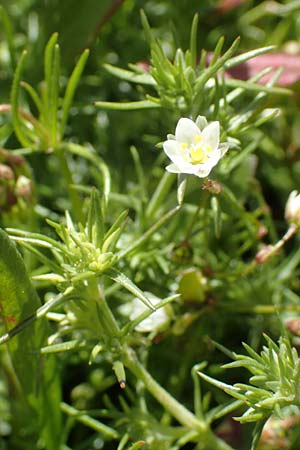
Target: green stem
{"type": "Point", "coordinates": [89, 421]}
{"type": "Point", "coordinates": [261, 309]}
{"type": "Point", "coordinates": [160, 193]}
{"type": "Point", "coordinates": [73, 195]}
{"type": "Point", "coordinates": [106, 317]}
{"type": "Point", "coordinates": [176, 409]}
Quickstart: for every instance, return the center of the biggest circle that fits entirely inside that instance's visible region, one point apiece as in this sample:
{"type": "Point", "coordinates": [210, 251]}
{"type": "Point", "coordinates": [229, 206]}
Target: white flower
{"type": "Point", "coordinates": [195, 149]}
{"type": "Point", "coordinates": [292, 209]}
{"type": "Point", "coordinates": [158, 319]}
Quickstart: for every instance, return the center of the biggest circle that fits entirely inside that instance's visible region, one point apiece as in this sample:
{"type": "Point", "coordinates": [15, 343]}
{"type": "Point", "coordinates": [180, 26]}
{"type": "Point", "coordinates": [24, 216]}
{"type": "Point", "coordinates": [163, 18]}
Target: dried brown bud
{"type": "Point", "coordinates": [264, 254]}
{"type": "Point", "coordinates": [6, 173]}
{"type": "Point", "coordinates": [212, 186]}
{"type": "Point", "coordinates": [262, 232]}
{"type": "Point", "coordinates": [293, 326]}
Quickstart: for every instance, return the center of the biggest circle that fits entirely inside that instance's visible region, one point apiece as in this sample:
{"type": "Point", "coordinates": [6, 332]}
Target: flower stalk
{"type": "Point", "coordinates": [176, 409]}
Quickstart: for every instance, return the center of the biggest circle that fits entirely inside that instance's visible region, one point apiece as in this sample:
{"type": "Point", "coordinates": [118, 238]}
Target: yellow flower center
{"type": "Point", "coordinates": [196, 153]}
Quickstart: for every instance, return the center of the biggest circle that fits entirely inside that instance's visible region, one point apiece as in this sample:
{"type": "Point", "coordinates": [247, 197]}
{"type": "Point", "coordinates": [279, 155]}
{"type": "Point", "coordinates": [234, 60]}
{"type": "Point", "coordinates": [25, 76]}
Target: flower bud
{"type": "Point", "coordinates": [292, 209]}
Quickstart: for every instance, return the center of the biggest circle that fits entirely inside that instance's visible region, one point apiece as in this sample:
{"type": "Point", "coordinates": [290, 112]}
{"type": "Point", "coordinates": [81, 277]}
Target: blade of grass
{"type": "Point", "coordinates": [7, 27]}
{"type": "Point", "coordinates": [71, 88]}
{"type": "Point", "coordinates": [14, 98]}
{"type": "Point", "coordinates": [48, 67]}
{"type": "Point", "coordinates": [53, 95]}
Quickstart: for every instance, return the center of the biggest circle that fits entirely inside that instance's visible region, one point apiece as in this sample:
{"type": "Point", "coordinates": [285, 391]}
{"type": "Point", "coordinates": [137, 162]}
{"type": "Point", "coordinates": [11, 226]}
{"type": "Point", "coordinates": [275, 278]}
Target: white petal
{"type": "Point", "coordinates": [172, 148]}
{"type": "Point", "coordinates": [186, 130]}
{"type": "Point", "coordinates": [177, 155]}
{"type": "Point", "coordinates": [157, 320]}
{"type": "Point", "coordinates": [223, 148]}
{"type": "Point", "coordinates": [173, 168]}
{"type": "Point", "coordinates": [201, 122]}
{"type": "Point", "coordinates": [211, 135]}
{"type": "Point", "coordinates": [203, 173]}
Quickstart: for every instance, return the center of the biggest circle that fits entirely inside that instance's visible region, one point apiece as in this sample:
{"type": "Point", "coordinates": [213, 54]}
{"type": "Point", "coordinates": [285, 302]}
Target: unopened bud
{"type": "Point", "coordinates": [23, 187]}
{"type": "Point", "coordinates": [292, 209]}
{"type": "Point", "coordinates": [264, 254]}
{"type": "Point", "coordinates": [293, 326]}
{"type": "Point", "coordinates": [6, 173]}
{"type": "Point", "coordinates": [262, 232]}
{"type": "Point", "coordinates": [212, 186]}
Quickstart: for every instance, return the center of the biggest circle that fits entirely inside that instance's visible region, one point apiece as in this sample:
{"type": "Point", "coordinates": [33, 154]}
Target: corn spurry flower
{"type": "Point", "coordinates": [195, 149]}
{"type": "Point", "coordinates": [292, 209]}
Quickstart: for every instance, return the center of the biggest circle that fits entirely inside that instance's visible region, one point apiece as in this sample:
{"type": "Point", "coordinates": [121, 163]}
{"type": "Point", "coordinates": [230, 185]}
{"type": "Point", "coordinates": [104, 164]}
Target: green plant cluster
{"type": "Point", "coordinates": [125, 286]}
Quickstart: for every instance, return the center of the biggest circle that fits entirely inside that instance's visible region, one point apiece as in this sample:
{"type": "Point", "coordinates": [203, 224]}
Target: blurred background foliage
{"type": "Point", "coordinates": [113, 32]}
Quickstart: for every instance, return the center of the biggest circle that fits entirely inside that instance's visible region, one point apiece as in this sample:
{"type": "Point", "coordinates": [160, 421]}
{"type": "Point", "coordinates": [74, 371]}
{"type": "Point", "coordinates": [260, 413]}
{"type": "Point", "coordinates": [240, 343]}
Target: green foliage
{"type": "Point", "coordinates": [35, 405]}
{"type": "Point", "coordinates": [103, 227]}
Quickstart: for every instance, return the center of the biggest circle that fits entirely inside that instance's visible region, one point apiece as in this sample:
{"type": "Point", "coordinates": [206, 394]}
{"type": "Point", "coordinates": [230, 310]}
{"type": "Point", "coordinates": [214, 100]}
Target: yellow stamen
{"type": "Point", "coordinates": [184, 146]}
{"type": "Point", "coordinates": [208, 149]}
{"type": "Point", "coordinates": [198, 138]}
{"type": "Point", "coordinates": [197, 155]}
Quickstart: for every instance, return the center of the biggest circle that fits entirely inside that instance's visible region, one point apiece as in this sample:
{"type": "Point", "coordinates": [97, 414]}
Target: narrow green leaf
{"type": "Point", "coordinates": [223, 410]}
{"type": "Point", "coordinates": [257, 87]}
{"type": "Point", "coordinates": [71, 88]}
{"type": "Point", "coordinates": [33, 95]}
{"type": "Point", "coordinates": [14, 99]}
{"type": "Point", "coordinates": [119, 223]}
{"type": "Point", "coordinates": [160, 193]}
{"type": "Point", "coordinates": [94, 424]}
{"type": "Point", "coordinates": [7, 27]}
{"type": "Point", "coordinates": [124, 281]}
{"type": "Point", "coordinates": [54, 95]}
{"type": "Point", "coordinates": [148, 233]}
{"type": "Point", "coordinates": [214, 68]}
{"type": "Point", "coordinates": [127, 75]}
{"type": "Point", "coordinates": [217, 217]}
{"type": "Point", "coordinates": [146, 26]}
{"type": "Point", "coordinates": [95, 220]}
{"type": "Point", "coordinates": [48, 67]}
{"type": "Point", "coordinates": [193, 41]}
{"type": "Point", "coordinates": [248, 55]}
{"type": "Point", "coordinates": [75, 344]}
{"type": "Point", "coordinates": [90, 155]}
{"type": "Point", "coordinates": [137, 445]}
{"type": "Point", "coordinates": [218, 50]}
{"type": "Point", "coordinates": [128, 106]}
{"type": "Point", "coordinates": [139, 170]}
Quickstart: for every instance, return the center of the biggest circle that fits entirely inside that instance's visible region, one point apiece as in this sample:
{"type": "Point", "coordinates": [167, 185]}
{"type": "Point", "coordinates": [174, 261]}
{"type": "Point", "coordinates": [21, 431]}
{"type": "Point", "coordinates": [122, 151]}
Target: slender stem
{"type": "Point", "coordinates": [261, 309]}
{"type": "Point", "coordinates": [73, 194]}
{"type": "Point", "coordinates": [195, 216]}
{"type": "Point", "coordinates": [271, 250]}
{"type": "Point", "coordinates": [160, 193]}
{"type": "Point", "coordinates": [106, 317]}
{"type": "Point", "coordinates": [148, 233]}
{"type": "Point", "coordinates": [89, 421]}
{"type": "Point", "coordinates": [176, 409]}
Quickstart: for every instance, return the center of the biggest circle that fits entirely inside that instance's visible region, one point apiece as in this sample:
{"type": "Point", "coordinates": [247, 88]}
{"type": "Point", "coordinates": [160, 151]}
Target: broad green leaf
{"type": "Point", "coordinates": [36, 406]}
